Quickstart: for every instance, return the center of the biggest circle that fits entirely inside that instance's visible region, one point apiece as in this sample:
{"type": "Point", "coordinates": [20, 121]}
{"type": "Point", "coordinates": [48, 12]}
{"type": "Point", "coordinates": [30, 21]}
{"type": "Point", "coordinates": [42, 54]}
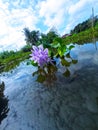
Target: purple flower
{"type": "Point", "coordinates": [40, 55]}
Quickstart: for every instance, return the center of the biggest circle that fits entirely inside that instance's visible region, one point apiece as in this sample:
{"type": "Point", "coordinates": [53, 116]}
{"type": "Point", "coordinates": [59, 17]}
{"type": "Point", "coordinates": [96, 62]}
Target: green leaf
{"type": "Point", "coordinates": [68, 55]}
{"type": "Point", "coordinates": [70, 47]}
{"type": "Point", "coordinates": [65, 62]}
{"type": "Point", "coordinates": [74, 61]}
{"type": "Point", "coordinates": [58, 40]}
{"type": "Point", "coordinates": [40, 78]}
{"type": "Point", "coordinates": [62, 50]}
{"type": "Point", "coordinates": [34, 64]}
{"type": "Point", "coordinates": [56, 45]}
{"type": "Point", "coordinates": [66, 73]}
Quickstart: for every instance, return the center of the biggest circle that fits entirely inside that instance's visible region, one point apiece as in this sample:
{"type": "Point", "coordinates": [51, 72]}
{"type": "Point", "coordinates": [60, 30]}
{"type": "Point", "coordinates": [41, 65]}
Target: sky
{"type": "Point", "coordinates": [42, 15]}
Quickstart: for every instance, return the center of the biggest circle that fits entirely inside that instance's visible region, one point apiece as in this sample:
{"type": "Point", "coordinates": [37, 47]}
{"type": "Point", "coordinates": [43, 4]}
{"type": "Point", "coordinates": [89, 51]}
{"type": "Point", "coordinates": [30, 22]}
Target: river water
{"type": "Point", "coordinates": [67, 104]}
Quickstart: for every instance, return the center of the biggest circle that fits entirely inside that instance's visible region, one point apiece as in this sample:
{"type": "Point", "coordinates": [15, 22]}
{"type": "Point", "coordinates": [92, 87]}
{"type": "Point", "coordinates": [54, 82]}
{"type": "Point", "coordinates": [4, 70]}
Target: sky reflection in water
{"type": "Point", "coordinates": [32, 103]}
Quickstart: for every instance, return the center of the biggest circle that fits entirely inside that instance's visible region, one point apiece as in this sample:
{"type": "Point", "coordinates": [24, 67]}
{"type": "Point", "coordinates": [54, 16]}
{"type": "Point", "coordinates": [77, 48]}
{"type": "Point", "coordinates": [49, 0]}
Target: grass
{"type": "Point", "coordinates": [82, 37]}
{"type": "Point", "coordinates": [9, 60]}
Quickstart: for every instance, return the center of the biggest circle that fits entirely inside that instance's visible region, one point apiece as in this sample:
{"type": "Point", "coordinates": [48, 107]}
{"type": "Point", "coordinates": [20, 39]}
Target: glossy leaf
{"type": "Point", "coordinates": [61, 50]}
{"type": "Point", "coordinates": [58, 40]}
{"type": "Point", "coordinates": [56, 45]}
{"type": "Point", "coordinates": [34, 64]}
{"type": "Point", "coordinates": [65, 62]}
{"type": "Point", "coordinates": [68, 55]}
{"type": "Point", "coordinates": [70, 47]}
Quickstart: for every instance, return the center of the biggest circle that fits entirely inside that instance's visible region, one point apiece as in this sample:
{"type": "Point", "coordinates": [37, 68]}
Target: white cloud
{"type": "Point", "coordinates": [18, 14]}
{"type": "Point", "coordinates": [12, 23]}
{"type": "Point", "coordinates": [79, 12]}
{"type": "Point", "coordinates": [53, 11]}
{"type": "Point", "coordinates": [77, 7]}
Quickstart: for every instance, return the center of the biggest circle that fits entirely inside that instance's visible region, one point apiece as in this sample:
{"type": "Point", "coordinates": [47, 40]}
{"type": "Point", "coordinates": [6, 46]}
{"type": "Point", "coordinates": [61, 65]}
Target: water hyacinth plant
{"type": "Point", "coordinates": [40, 55]}
{"type": "Point", "coordinates": [46, 60]}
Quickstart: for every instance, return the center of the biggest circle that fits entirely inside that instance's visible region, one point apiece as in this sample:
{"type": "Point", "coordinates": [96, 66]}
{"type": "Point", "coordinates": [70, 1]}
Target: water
{"type": "Point", "coordinates": [66, 104]}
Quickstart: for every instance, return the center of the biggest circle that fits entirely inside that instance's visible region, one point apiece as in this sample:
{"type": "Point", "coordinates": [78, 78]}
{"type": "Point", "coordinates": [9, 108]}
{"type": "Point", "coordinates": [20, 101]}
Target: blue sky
{"type": "Point", "coordinates": [41, 15]}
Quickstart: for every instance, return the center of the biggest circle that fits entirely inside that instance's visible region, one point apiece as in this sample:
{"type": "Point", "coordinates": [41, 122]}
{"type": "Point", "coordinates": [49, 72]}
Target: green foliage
{"type": "Point", "coordinates": [64, 62]}
{"type": "Point", "coordinates": [26, 48]}
{"type": "Point", "coordinates": [60, 50]}
{"type": "Point", "coordinates": [82, 37]}
{"type": "Point", "coordinates": [33, 63]}
{"type": "Point", "coordinates": [47, 39]}
{"type": "Point", "coordinates": [57, 46]}
{"type": "Point", "coordinates": [85, 25]}
{"type": "Point", "coordinates": [46, 74]}
{"type": "Point", "coordinates": [70, 47]}
{"type": "Point", "coordinates": [35, 37]}
{"type": "Point", "coordinates": [11, 59]}
{"type": "Point", "coordinates": [6, 54]}
{"type": "Point", "coordinates": [31, 37]}
{"type": "Point", "coordinates": [51, 35]}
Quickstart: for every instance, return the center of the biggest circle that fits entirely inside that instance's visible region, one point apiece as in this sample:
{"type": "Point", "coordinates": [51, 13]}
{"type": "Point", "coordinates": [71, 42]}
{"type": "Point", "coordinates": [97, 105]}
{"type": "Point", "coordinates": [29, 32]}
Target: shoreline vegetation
{"type": "Point", "coordinates": [79, 35]}
{"type": "Point", "coordinates": [9, 60]}
{"type": "Point", "coordinates": [82, 37]}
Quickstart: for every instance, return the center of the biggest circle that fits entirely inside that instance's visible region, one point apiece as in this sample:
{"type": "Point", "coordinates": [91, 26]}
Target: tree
{"type": "Point", "coordinates": [50, 36]}
{"type": "Point", "coordinates": [85, 25]}
{"type": "Point", "coordinates": [31, 37]}
{"type": "Point", "coordinates": [35, 38]}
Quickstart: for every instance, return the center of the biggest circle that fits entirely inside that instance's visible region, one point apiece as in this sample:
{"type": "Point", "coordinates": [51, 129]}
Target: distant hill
{"type": "Point", "coordinates": [85, 25]}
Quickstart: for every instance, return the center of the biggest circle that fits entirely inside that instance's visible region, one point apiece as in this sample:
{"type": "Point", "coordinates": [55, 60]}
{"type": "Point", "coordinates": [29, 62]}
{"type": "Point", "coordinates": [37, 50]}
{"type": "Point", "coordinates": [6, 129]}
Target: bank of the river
{"type": "Point", "coordinates": [9, 60]}
{"type": "Point", "coordinates": [89, 35]}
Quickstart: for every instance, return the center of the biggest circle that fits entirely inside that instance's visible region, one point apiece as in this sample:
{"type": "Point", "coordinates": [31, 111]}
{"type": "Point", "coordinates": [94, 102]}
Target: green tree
{"type": "Point", "coordinates": [49, 37]}
{"type": "Point", "coordinates": [31, 37]}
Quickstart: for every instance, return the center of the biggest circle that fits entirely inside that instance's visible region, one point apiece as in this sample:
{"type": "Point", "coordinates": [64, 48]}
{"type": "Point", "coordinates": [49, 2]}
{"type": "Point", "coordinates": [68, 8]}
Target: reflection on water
{"type": "Point", "coordinates": [10, 66]}
{"type": "Point", "coordinates": [71, 104]}
{"type": "Point", "coordinates": [94, 42]}
{"type": "Point", "coordinates": [47, 74]}
{"type": "Point", "coordinates": [3, 103]}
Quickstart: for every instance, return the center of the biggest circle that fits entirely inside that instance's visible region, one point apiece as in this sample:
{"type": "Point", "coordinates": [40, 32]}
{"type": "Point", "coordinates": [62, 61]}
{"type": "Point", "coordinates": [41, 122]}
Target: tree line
{"type": "Point", "coordinates": [85, 25]}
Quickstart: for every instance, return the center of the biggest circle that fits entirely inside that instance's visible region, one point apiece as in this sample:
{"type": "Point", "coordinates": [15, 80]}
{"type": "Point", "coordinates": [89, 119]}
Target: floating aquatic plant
{"type": "Point", "coordinates": [40, 55]}
{"type": "Point", "coordinates": [46, 60]}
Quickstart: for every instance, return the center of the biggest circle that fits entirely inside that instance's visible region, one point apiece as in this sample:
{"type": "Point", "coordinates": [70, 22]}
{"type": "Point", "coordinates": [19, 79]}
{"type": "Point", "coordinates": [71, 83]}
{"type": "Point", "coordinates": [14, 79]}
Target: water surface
{"type": "Point", "coordinates": [67, 104]}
